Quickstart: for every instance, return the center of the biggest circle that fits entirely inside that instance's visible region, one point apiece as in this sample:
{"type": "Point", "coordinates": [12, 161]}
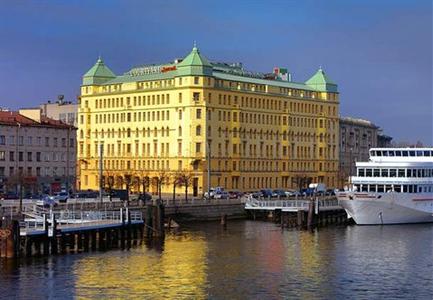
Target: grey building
{"type": "Point", "coordinates": [357, 136]}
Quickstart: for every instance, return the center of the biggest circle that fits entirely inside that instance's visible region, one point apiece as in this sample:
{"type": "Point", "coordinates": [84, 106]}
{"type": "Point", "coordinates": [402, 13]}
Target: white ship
{"type": "Point", "coordinates": [395, 186]}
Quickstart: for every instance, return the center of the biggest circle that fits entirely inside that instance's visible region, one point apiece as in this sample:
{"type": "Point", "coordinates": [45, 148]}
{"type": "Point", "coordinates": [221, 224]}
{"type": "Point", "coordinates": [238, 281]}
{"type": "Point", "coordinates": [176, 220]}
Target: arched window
{"type": "Point", "coordinates": [180, 131]}
{"type": "Point", "coordinates": [198, 130]}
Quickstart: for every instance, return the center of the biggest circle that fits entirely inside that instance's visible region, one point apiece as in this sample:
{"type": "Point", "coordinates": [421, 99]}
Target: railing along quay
{"type": "Point", "coordinates": [48, 231]}
{"type": "Point", "coordinates": [299, 213]}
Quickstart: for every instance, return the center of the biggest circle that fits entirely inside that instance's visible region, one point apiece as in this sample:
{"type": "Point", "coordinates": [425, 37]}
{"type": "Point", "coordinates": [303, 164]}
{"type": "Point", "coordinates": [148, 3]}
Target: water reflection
{"type": "Point", "coordinates": [249, 260]}
{"type": "Point", "coordinates": [173, 269]}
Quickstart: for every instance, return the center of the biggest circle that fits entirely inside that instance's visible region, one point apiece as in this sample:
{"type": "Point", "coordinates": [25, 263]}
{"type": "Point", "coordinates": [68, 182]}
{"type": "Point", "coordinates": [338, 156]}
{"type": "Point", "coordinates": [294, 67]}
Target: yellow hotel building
{"type": "Point", "coordinates": [262, 130]}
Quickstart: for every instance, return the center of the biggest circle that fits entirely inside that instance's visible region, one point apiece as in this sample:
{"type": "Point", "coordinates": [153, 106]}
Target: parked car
{"type": "Point", "coordinates": [266, 193]}
{"type": "Point", "coordinates": [144, 197]}
{"type": "Point", "coordinates": [9, 196]}
{"type": "Point", "coordinates": [330, 192]}
{"type": "Point", "coordinates": [33, 196]}
{"type": "Point", "coordinates": [235, 194]}
{"type": "Point", "coordinates": [280, 193]}
{"type": "Point", "coordinates": [307, 192]}
{"type": "Point", "coordinates": [222, 195]}
{"type": "Point", "coordinates": [46, 201]}
{"type": "Point", "coordinates": [291, 193]}
{"type": "Point", "coordinates": [213, 191]}
{"type": "Point", "coordinates": [61, 197]}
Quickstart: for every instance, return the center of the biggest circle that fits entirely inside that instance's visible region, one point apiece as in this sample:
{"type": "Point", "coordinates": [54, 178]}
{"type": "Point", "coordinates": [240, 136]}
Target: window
{"type": "Point", "coordinates": [196, 80]}
{"type": "Point", "coordinates": [196, 96]}
{"type": "Point", "coordinates": [29, 156]}
{"type": "Point", "coordinates": [20, 156]}
{"type": "Point", "coordinates": [2, 140]}
{"type": "Point", "coordinates": [11, 156]}
{"type": "Point", "coordinates": [38, 156]}
{"type": "Point", "coordinates": [197, 147]}
{"type": "Point", "coordinates": [198, 113]}
{"type": "Point", "coordinates": [2, 155]}
{"type": "Point", "coordinates": [198, 130]}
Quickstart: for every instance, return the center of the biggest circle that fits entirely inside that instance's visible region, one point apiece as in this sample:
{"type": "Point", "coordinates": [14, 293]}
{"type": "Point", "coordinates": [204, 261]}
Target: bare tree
{"type": "Point", "coordinates": [108, 180]}
{"type": "Point", "coordinates": [301, 181]}
{"type": "Point", "coordinates": [144, 179]}
{"type": "Point", "coordinates": [128, 180]}
{"type": "Point", "coordinates": [185, 180]}
{"type": "Point", "coordinates": [176, 180]}
{"type": "Point", "coordinates": [161, 179]}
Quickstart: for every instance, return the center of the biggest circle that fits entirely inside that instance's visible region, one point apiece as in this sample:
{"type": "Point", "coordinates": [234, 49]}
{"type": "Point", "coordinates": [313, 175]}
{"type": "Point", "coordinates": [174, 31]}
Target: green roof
{"type": "Point", "coordinates": [194, 64]}
{"type": "Point", "coordinates": [98, 74]}
{"type": "Point", "coordinates": [321, 82]}
{"type": "Point", "coordinates": [253, 80]}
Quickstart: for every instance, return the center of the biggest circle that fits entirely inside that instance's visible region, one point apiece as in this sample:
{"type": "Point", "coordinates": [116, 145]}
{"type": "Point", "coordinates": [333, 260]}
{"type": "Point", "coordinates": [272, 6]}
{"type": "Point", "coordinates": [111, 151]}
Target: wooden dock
{"type": "Point", "coordinates": [304, 213]}
{"type": "Point", "coordinates": [61, 232]}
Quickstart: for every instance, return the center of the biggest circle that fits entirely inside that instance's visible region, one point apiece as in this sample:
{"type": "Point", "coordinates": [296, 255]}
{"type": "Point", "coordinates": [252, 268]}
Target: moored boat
{"type": "Point", "coordinates": [395, 186]}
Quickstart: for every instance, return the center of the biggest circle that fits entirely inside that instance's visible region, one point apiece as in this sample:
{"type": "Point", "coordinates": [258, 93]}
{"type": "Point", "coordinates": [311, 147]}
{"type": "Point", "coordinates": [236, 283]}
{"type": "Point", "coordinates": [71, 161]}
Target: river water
{"type": "Point", "coordinates": [248, 260]}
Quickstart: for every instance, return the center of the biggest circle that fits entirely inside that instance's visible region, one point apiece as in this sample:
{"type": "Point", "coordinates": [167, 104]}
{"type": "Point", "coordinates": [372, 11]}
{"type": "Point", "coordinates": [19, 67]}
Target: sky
{"type": "Point", "coordinates": [379, 52]}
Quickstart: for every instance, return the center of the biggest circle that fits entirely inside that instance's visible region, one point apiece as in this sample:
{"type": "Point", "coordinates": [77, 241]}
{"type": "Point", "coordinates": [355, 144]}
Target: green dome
{"type": "Point", "coordinates": [98, 74]}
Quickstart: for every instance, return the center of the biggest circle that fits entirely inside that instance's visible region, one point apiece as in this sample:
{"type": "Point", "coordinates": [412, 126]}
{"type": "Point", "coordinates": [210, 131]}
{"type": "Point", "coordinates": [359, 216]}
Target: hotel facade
{"type": "Point", "coordinates": [253, 130]}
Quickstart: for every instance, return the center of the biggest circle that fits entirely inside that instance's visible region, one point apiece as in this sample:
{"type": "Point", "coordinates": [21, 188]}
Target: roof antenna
{"type": "Point", "coordinates": [195, 44]}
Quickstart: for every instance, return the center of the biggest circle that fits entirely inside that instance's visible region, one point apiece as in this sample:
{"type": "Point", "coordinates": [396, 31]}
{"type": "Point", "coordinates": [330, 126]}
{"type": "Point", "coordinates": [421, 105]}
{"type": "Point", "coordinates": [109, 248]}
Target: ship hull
{"type": "Point", "coordinates": [387, 208]}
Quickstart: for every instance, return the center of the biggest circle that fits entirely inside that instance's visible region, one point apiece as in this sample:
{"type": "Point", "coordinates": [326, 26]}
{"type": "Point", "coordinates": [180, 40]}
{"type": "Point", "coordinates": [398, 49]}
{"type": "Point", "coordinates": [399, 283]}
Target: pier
{"type": "Point", "coordinates": [49, 232]}
{"type": "Point", "coordinates": [304, 213]}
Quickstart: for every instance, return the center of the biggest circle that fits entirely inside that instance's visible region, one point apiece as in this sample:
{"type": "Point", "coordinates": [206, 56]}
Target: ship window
{"type": "Point", "coordinates": [384, 172]}
{"type": "Point", "coordinates": [364, 188]}
{"type": "Point", "coordinates": [405, 153]}
{"type": "Point", "coordinates": [391, 153]}
{"type": "Point", "coordinates": [427, 153]}
{"type": "Point", "coordinates": [409, 173]}
{"type": "Point", "coordinates": [419, 173]}
{"type": "Point", "coordinates": [392, 173]}
{"type": "Point", "coordinates": [368, 172]}
{"type": "Point", "coordinates": [380, 188]}
{"type": "Point", "coordinates": [397, 153]}
{"type": "Point", "coordinates": [372, 188]}
{"type": "Point", "coordinates": [357, 187]}
{"type": "Point", "coordinates": [405, 189]}
{"type": "Point", "coordinates": [419, 153]}
{"type": "Point", "coordinates": [410, 188]}
{"type": "Point", "coordinates": [388, 188]}
{"type": "Point", "coordinates": [376, 172]}
{"type": "Point", "coordinates": [401, 172]}
{"type": "Point", "coordinates": [397, 188]}
{"type": "Point", "coordinates": [411, 153]}
{"type": "Point", "coordinates": [379, 153]}
{"type": "Point", "coordinates": [385, 153]}
{"type": "Point", "coordinates": [361, 172]}
{"type": "Point", "coordinates": [420, 189]}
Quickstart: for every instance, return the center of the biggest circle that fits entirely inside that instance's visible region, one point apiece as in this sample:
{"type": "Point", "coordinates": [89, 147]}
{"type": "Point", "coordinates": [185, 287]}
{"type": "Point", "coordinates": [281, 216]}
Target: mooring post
{"type": "Point", "coordinates": [53, 235]}
{"type": "Point", "coordinates": [224, 221]}
{"type": "Point", "coordinates": [300, 215]}
{"type": "Point", "coordinates": [148, 220]}
{"type": "Point", "coordinates": [45, 238]}
{"type": "Point", "coordinates": [310, 214]}
{"type": "Point", "coordinates": [161, 217]}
